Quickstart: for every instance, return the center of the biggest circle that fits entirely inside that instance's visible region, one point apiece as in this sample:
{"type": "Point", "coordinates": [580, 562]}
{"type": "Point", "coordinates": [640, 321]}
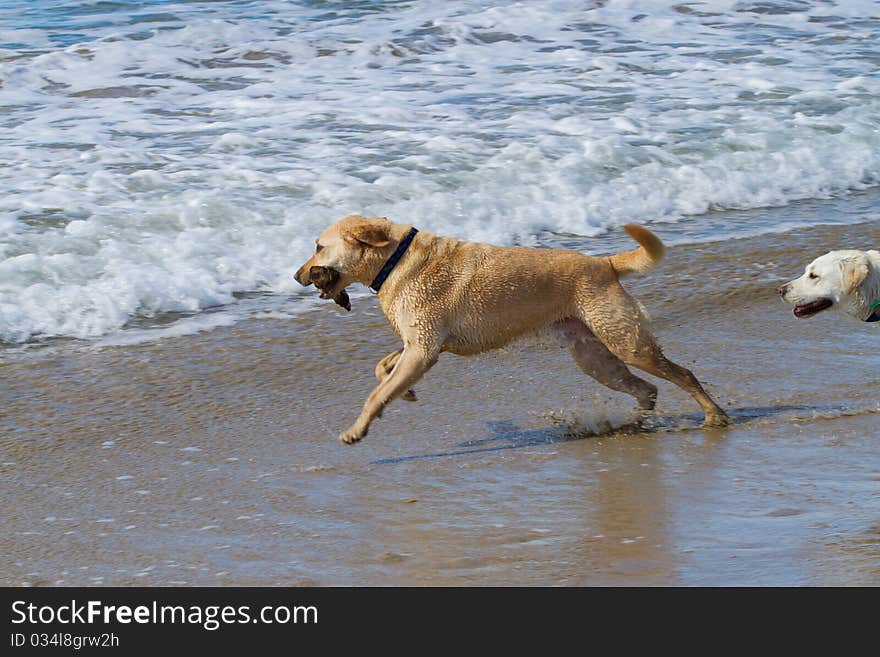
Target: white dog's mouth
{"type": "Point", "coordinates": [810, 309]}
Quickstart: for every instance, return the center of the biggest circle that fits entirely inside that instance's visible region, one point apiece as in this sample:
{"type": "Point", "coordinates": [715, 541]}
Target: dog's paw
{"type": "Point", "coordinates": [352, 435]}
{"type": "Point", "coordinates": [717, 420]}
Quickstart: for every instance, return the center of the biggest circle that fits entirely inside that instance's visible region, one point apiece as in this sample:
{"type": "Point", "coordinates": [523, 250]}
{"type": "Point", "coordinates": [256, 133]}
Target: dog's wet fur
{"type": "Point", "coordinates": [467, 298]}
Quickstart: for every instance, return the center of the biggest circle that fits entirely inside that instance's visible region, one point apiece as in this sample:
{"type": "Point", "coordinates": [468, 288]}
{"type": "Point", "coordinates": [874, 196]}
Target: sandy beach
{"type": "Point", "coordinates": [212, 459]}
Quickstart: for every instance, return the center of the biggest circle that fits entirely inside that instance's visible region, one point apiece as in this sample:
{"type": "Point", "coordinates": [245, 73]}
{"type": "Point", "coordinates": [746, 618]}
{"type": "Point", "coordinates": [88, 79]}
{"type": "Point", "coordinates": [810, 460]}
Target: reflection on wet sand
{"type": "Point", "coordinates": [629, 538]}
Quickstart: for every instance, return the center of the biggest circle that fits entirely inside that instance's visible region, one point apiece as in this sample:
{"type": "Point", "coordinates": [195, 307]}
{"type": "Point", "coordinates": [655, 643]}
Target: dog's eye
{"type": "Point", "coordinates": [318, 248]}
{"type": "Point", "coordinates": [812, 275]}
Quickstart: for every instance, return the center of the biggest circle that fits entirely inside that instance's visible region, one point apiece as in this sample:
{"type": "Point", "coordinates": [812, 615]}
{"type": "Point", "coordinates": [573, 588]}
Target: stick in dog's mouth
{"type": "Point", "coordinates": [810, 309]}
{"type": "Point", "coordinates": [325, 279]}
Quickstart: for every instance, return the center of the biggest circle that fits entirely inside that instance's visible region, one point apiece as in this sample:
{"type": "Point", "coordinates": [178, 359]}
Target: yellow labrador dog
{"type": "Point", "coordinates": [443, 294]}
{"type": "Point", "coordinates": [847, 280]}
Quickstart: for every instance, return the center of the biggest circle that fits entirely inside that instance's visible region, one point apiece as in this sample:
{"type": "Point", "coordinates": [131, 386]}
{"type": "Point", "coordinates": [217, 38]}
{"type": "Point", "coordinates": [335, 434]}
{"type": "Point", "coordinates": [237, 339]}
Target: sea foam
{"type": "Point", "coordinates": [163, 157]}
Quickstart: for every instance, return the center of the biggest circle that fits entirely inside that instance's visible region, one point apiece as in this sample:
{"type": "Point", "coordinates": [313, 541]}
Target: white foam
{"type": "Point", "coordinates": [155, 168]}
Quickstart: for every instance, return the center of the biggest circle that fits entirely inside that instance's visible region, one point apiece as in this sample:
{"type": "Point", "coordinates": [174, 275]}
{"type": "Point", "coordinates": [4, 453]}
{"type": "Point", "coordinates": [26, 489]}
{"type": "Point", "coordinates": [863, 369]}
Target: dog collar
{"type": "Point", "coordinates": [391, 263]}
{"type": "Point", "coordinates": [875, 316]}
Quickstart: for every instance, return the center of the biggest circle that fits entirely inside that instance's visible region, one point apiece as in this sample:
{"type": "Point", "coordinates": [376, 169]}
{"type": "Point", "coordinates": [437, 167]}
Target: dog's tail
{"type": "Point", "coordinates": [646, 256]}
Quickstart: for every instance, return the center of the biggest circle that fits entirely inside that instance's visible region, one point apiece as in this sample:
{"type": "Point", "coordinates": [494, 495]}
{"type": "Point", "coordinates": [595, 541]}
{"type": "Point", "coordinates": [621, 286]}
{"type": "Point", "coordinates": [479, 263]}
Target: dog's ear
{"type": "Point", "coordinates": [375, 234]}
{"type": "Point", "coordinates": [854, 274]}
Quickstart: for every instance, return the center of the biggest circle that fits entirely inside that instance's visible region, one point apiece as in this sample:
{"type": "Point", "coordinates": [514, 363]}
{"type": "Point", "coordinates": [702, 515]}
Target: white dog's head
{"type": "Point", "coordinates": [848, 281]}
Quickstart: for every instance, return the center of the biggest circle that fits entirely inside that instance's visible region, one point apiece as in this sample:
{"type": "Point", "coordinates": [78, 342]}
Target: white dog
{"type": "Point", "coordinates": [848, 281]}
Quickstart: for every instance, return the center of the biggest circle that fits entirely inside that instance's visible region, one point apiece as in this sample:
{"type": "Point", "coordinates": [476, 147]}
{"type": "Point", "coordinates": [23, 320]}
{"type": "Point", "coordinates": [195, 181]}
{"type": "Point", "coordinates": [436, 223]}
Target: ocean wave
{"type": "Point", "coordinates": [165, 157]}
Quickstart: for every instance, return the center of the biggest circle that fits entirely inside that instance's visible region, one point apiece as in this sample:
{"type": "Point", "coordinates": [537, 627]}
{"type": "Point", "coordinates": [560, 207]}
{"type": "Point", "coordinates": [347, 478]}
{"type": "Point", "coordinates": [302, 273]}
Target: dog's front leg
{"type": "Point", "coordinates": [384, 369]}
{"type": "Point", "coordinates": [411, 365]}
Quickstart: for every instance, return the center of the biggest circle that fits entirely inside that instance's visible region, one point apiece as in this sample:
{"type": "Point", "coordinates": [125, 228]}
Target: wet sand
{"type": "Point", "coordinates": [212, 459]}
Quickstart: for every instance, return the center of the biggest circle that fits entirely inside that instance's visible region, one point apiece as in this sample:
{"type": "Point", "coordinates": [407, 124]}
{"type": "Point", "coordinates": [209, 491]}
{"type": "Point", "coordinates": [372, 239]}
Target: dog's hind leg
{"type": "Point", "coordinates": [594, 359]}
{"type": "Point", "coordinates": [384, 369]}
{"type": "Point", "coordinates": [620, 325]}
{"type": "Point", "coordinates": [658, 365]}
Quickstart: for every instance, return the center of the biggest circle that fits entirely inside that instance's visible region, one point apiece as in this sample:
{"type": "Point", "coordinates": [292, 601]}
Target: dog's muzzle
{"type": "Point", "coordinates": [804, 309]}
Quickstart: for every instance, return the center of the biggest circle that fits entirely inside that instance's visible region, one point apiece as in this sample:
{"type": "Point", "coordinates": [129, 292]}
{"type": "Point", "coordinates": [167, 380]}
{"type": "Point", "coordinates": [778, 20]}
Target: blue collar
{"type": "Point", "coordinates": [875, 316]}
{"type": "Point", "coordinates": [391, 263]}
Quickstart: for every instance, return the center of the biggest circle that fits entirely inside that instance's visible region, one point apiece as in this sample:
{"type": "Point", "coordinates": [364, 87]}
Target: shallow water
{"type": "Point", "coordinates": [212, 459]}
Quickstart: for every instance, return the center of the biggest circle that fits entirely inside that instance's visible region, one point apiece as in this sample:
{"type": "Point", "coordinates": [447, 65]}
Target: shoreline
{"type": "Point", "coordinates": [853, 214]}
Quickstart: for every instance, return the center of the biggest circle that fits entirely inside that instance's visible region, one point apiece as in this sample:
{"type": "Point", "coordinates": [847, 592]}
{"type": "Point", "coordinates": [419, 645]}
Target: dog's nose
{"type": "Point", "coordinates": [782, 289]}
